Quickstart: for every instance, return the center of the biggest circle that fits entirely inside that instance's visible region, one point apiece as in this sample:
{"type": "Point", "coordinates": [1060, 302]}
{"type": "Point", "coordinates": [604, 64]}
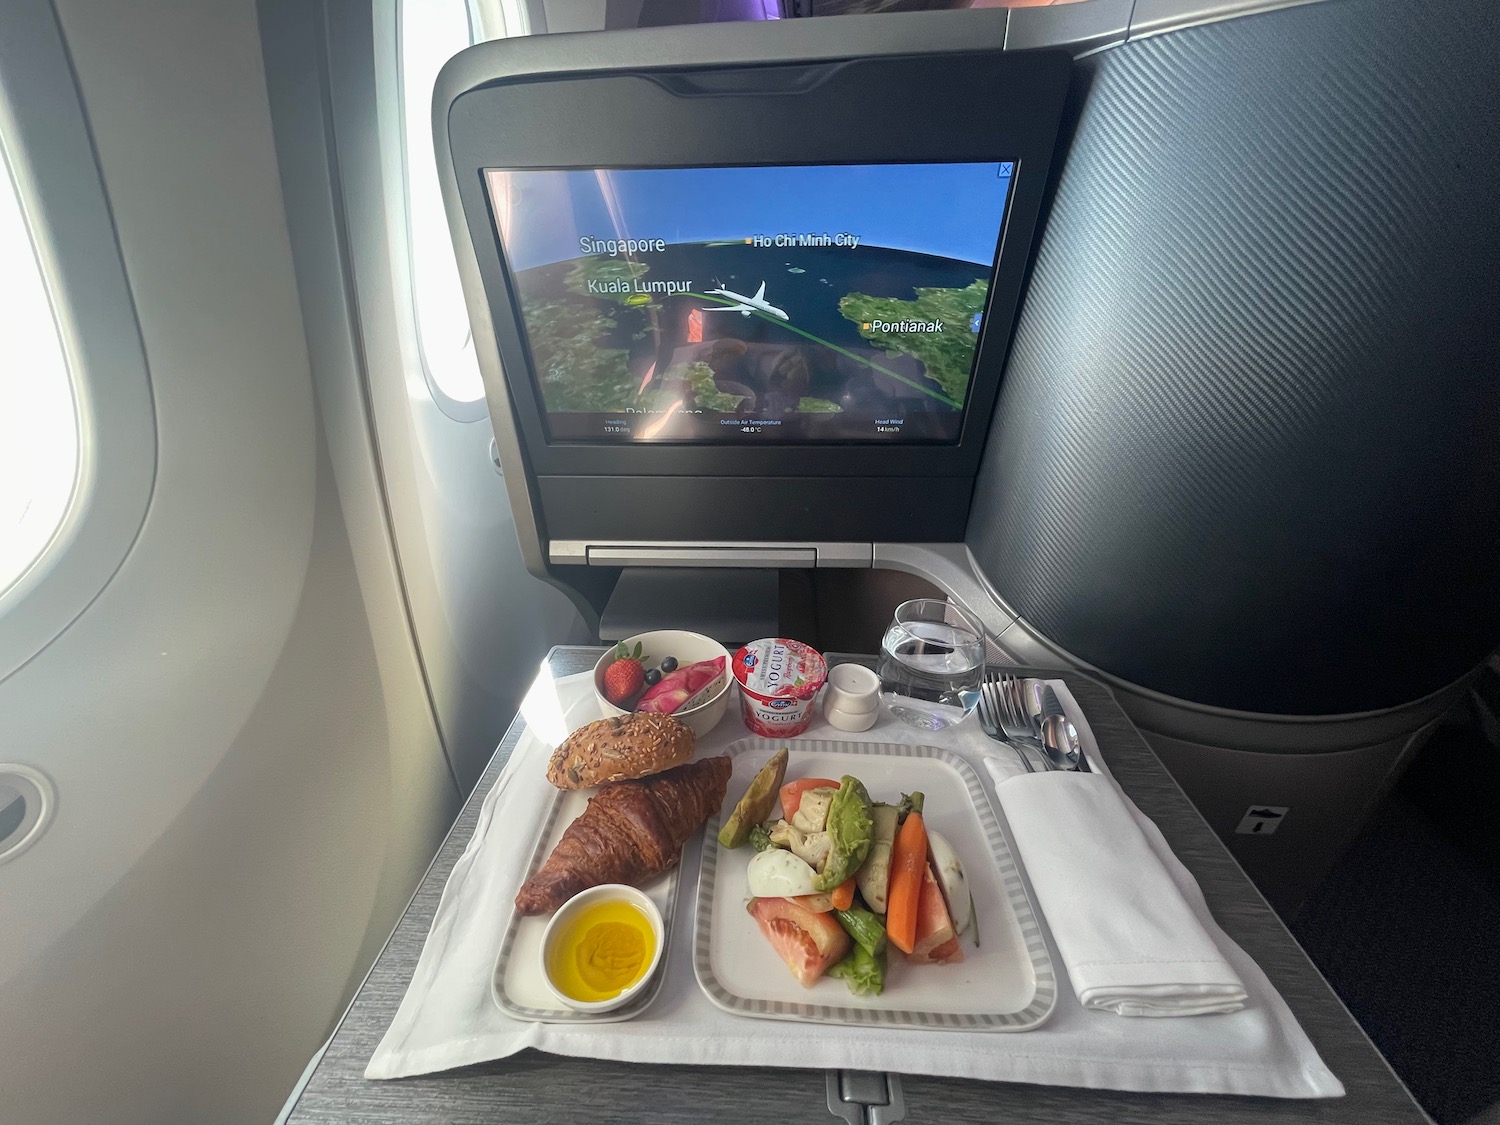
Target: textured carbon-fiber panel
{"type": "Point", "coordinates": [1251, 419]}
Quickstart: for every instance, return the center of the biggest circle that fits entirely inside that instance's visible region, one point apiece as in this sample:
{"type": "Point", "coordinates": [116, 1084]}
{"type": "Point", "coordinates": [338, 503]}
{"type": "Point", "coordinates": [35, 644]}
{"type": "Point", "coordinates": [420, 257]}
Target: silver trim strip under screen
{"type": "Point", "coordinates": [578, 552]}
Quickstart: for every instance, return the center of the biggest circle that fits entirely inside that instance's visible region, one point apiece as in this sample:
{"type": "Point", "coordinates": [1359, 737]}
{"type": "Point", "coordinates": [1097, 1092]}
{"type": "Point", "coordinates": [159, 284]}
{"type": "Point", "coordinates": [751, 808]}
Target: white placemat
{"type": "Point", "coordinates": [448, 1019]}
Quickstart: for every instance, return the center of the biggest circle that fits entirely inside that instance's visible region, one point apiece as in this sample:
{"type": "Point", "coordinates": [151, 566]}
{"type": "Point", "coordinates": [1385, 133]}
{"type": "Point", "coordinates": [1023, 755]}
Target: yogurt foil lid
{"type": "Point", "coordinates": [778, 668]}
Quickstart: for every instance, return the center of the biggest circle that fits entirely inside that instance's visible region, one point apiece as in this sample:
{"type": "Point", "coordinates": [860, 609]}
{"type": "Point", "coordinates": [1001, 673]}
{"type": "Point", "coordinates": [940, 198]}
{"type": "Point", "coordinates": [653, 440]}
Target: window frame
{"type": "Point", "coordinates": [460, 410]}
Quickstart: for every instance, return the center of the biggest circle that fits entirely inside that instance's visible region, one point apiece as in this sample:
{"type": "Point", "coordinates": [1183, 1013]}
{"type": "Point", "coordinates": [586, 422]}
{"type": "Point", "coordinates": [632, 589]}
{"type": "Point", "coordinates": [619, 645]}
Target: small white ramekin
{"type": "Point", "coordinates": [853, 689]}
{"type": "Point", "coordinates": [849, 720]}
{"type": "Point", "coordinates": [637, 898]}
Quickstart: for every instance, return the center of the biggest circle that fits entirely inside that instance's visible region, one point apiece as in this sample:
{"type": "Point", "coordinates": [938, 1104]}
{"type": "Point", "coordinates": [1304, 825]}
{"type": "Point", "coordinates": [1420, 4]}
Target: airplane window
{"type": "Point", "coordinates": [39, 439]}
{"type": "Point", "coordinates": [432, 32]}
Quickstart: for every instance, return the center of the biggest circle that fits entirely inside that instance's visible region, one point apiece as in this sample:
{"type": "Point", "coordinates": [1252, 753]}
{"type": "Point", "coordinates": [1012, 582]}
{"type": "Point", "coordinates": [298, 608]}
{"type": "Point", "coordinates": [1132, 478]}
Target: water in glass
{"type": "Point", "coordinates": [931, 665]}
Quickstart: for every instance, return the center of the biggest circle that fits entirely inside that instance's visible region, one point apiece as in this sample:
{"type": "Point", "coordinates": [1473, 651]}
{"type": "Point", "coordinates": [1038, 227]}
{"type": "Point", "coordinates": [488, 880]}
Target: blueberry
{"type": "Point", "coordinates": [653, 677]}
{"type": "Point", "coordinates": [669, 664]}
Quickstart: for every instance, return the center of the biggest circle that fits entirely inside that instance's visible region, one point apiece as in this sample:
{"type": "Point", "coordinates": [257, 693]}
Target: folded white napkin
{"type": "Point", "coordinates": [1131, 943]}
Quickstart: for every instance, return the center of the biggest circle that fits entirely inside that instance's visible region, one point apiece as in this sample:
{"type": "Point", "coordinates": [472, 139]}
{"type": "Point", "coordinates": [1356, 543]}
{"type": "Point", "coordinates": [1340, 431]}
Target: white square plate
{"type": "Point", "coordinates": [1007, 983]}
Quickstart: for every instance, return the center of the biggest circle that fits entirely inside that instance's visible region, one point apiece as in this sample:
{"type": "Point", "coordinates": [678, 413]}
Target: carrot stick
{"type": "Point", "coordinates": [908, 859]}
{"type": "Point", "coordinates": [843, 894]}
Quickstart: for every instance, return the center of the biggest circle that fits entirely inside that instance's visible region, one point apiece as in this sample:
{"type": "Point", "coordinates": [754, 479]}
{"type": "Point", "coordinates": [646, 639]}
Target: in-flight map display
{"type": "Point", "coordinates": [825, 303]}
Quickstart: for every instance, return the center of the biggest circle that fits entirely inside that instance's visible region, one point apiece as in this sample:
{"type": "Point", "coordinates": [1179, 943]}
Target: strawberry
{"type": "Point", "coordinates": [622, 679]}
{"type": "Point", "coordinates": [625, 677]}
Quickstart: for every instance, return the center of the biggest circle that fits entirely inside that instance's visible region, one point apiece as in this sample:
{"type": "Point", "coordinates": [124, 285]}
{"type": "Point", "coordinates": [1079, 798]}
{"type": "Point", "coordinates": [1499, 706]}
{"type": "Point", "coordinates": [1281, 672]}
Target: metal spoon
{"type": "Point", "coordinates": [1060, 738]}
{"type": "Point", "coordinates": [1065, 738]}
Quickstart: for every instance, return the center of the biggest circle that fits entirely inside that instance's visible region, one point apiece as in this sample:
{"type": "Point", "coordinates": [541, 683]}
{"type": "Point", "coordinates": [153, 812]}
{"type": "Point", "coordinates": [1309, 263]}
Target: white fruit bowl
{"type": "Point", "coordinates": [688, 648]}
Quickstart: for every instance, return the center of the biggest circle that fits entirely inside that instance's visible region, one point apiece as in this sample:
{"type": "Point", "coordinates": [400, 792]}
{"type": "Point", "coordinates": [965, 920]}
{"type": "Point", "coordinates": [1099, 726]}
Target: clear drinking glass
{"type": "Point", "coordinates": [931, 663]}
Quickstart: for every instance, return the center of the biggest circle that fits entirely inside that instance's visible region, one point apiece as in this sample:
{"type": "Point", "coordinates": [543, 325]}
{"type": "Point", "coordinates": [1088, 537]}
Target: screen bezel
{"type": "Point", "coordinates": [549, 428]}
{"type": "Point", "coordinates": [738, 117]}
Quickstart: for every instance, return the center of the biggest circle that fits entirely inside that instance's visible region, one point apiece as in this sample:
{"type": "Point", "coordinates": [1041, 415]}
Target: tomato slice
{"type": "Point", "coordinates": [949, 953]}
{"type": "Point", "coordinates": [810, 944]}
{"type": "Point", "coordinates": [936, 941]}
{"type": "Point", "coordinates": [791, 792]}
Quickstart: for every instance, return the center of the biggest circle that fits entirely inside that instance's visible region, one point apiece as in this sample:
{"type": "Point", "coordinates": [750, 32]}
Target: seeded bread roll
{"type": "Point", "coordinates": [620, 748]}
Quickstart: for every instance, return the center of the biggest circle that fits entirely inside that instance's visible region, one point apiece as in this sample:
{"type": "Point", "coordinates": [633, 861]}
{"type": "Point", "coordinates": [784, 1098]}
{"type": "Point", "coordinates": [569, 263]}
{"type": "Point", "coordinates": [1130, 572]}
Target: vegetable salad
{"type": "Point", "coordinates": [839, 879]}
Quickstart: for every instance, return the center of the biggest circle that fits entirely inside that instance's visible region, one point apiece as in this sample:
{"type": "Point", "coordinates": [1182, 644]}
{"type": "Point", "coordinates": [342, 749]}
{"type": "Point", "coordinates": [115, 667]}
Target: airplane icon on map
{"type": "Point", "coordinates": [747, 305]}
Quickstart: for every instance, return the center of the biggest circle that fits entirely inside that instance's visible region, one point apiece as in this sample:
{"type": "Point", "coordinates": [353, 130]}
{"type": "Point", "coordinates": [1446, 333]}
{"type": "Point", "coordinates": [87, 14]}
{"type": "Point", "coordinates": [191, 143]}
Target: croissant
{"type": "Point", "coordinates": [631, 832]}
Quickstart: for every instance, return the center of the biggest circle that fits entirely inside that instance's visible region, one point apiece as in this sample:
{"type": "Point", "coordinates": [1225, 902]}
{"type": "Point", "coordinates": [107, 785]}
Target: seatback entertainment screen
{"type": "Point", "coordinates": [803, 304]}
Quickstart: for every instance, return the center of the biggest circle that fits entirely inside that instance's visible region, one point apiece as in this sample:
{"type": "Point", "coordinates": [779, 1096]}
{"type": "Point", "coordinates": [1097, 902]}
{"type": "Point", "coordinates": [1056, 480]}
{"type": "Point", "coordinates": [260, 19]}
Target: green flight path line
{"type": "Point", "coordinates": [830, 344]}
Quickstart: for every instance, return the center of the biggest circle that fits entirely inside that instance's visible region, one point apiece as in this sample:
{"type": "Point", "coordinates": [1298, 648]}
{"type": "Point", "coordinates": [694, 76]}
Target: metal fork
{"type": "Point", "coordinates": [1013, 715]}
{"type": "Point", "coordinates": [990, 711]}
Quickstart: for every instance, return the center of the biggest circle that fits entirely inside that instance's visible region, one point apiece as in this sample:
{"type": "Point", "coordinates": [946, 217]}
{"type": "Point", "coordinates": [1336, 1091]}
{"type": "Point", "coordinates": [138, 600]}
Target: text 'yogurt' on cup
{"type": "Point", "coordinates": [778, 679]}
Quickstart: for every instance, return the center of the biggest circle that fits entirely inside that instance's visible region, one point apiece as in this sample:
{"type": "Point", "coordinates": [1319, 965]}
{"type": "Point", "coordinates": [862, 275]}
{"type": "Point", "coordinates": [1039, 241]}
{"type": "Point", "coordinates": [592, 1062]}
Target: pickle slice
{"type": "Point", "coordinates": [757, 803]}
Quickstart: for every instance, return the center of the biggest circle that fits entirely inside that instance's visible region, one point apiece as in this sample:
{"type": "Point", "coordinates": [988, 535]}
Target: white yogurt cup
{"type": "Point", "coordinates": [778, 680]}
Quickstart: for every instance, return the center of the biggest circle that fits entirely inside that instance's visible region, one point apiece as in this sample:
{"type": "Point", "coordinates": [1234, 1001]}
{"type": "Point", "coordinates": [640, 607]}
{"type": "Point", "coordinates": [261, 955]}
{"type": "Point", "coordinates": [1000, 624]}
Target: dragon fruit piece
{"type": "Point", "coordinates": [665, 703]}
{"type": "Point", "coordinates": [672, 691]}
